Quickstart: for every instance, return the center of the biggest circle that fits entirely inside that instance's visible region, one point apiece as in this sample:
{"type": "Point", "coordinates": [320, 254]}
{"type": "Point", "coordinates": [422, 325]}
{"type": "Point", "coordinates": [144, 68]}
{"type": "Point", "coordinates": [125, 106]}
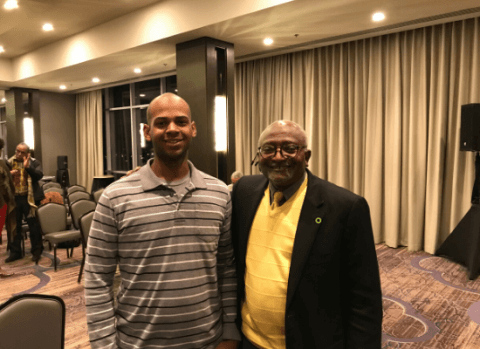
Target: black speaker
{"type": "Point", "coordinates": [63, 178]}
{"type": "Point", "coordinates": [470, 127]}
{"type": "Point", "coordinates": [62, 162]}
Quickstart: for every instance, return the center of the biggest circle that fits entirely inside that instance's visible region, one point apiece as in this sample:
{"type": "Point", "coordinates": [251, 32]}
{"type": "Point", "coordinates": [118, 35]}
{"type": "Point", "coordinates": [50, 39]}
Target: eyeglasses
{"type": "Point", "coordinates": [287, 150]}
{"type": "Point", "coordinates": [21, 152]}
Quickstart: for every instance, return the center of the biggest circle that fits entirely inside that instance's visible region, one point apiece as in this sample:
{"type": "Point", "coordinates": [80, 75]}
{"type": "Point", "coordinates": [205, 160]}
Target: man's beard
{"type": "Point", "coordinates": [167, 157]}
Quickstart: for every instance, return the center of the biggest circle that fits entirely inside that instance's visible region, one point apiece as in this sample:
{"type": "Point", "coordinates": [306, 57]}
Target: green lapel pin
{"type": "Point", "coordinates": [318, 220]}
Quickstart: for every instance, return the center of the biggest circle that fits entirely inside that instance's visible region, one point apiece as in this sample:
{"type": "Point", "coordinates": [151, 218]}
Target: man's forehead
{"type": "Point", "coordinates": [284, 131]}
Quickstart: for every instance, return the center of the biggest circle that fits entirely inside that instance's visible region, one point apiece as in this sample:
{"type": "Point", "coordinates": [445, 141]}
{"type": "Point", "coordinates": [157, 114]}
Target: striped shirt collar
{"type": "Point", "coordinates": [150, 181]}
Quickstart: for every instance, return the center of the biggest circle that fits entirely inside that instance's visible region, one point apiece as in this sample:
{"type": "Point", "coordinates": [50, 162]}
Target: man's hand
{"type": "Point", "coordinates": [14, 173]}
{"type": "Point", "coordinates": [26, 161]}
{"type": "Point", "coordinates": [230, 344]}
{"type": "Point", "coordinates": [132, 171]}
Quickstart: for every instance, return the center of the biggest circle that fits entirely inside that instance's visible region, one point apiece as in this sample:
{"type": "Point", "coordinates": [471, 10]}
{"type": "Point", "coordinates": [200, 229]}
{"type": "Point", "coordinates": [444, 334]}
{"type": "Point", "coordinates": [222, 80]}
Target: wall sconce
{"type": "Point", "coordinates": [28, 134]}
{"type": "Point", "coordinates": [220, 123]}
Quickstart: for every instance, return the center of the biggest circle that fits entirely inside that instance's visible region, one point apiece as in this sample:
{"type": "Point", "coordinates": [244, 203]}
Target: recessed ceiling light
{"type": "Point", "coordinates": [378, 16]}
{"type": "Point", "coordinates": [137, 70]}
{"type": "Point", "coordinates": [63, 87]}
{"type": "Point", "coordinates": [142, 95]}
{"type": "Point", "coordinates": [268, 41]}
{"type": "Point", "coordinates": [95, 80]}
{"type": "Point", "coordinates": [1, 49]}
{"type": "Point", "coordinates": [4, 100]}
{"type": "Point", "coordinates": [47, 27]}
{"type": "Point", "coordinates": [10, 4]}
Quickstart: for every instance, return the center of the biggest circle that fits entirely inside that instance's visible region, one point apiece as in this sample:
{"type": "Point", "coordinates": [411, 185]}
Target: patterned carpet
{"type": "Point", "coordinates": [429, 302]}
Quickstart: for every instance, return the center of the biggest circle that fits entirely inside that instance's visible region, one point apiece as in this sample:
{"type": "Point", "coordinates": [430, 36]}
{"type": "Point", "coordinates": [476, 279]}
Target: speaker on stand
{"type": "Point", "coordinates": [463, 243]}
{"type": "Point", "coordinates": [63, 176]}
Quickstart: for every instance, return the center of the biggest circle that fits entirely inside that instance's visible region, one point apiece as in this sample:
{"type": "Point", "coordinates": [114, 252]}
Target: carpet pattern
{"type": "Point", "coordinates": [428, 301]}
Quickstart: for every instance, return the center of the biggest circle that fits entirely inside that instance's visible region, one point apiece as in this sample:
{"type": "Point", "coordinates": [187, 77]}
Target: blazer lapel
{"type": "Point", "coordinates": [309, 223]}
{"type": "Point", "coordinates": [255, 195]}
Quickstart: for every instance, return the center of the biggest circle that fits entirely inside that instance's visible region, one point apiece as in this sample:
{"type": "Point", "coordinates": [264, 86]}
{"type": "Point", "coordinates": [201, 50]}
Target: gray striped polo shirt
{"type": "Point", "coordinates": [176, 261]}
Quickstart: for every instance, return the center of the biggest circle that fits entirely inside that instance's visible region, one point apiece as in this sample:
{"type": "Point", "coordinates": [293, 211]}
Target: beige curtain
{"type": "Point", "coordinates": [383, 120]}
{"type": "Point", "coordinates": [89, 137]}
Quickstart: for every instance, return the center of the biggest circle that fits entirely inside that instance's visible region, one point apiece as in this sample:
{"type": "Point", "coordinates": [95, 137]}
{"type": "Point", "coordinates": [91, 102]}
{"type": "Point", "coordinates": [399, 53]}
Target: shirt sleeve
{"type": "Point", "coordinates": [227, 280]}
{"type": "Point", "coordinates": [100, 268]}
{"type": "Point", "coordinates": [363, 294]}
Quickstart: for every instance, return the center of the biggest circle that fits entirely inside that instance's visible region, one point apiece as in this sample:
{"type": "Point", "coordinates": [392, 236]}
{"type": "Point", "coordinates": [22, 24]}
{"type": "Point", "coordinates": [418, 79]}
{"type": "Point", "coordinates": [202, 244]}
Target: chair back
{"type": "Point", "coordinates": [79, 208]}
{"type": "Point", "coordinates": [75, 188]}
{"type": "Point", "coordinates": [52, 217]}
{"type": "Point", "coordinates": [32, 321]}
{"type": "Point", "coordinates": [85, 221]}
{"type": "Point", "coordinates": [97, 194]}
{"type": "Point", "coordinates": [78, 195]}
{"type": "Point", "coordinates": [51, 185]}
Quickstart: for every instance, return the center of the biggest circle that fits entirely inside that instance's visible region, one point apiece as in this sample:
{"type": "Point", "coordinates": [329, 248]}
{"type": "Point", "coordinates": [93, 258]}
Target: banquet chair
{"type": "Point", "coordinates": [85, 221]}
{"type": "Point", "coordinates": [75, 196]}
{"type": "Point", "coordinates": [51, 185]}
{"type": "Point", "coordinates": [79, 208]}
{"type": "Point", "coordinates": [52, 218]}
{"type": "Point", "coordinates": [96, 195]}
{"type": "Point", "coordinates": [74, 188]}
{"type": "Point", "coordinates": [32, 321]}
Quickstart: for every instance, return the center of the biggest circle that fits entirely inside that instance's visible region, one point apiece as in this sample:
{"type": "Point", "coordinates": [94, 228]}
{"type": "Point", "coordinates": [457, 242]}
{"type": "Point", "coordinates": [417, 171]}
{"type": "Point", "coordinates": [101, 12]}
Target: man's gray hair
{"type": "Point", "coordinates": [236, 174]}
{"type": "Point", "coordinates": [24, 145]}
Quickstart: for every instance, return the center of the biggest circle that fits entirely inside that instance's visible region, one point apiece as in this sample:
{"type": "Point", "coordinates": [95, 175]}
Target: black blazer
{"type": "Point", "coordinates": [334, 298]}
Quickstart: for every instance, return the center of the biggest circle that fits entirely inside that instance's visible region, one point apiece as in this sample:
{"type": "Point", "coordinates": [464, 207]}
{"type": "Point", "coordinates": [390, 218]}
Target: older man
{"type": "Point", "coordinates": [307, 268]}
{"type": "Point", "coordinates": [168, 228]}
{"type": "Point", "coordinates": [234, 178]}
{"type": "Point", "coordinates": [26, 172]}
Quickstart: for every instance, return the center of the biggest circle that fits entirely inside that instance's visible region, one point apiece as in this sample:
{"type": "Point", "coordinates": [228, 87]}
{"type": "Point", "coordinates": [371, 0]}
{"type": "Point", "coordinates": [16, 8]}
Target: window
{"type": "Point", "coordinates": [124, 117]}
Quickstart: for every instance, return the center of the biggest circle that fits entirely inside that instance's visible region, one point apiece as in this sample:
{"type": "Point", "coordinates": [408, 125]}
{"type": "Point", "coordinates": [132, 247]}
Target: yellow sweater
{"type": "Point", "coordinates": [269, 252]}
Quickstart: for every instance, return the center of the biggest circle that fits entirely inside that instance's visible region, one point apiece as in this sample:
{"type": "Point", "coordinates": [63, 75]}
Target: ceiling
{"type": "Point", "coordinates": [109, 38]}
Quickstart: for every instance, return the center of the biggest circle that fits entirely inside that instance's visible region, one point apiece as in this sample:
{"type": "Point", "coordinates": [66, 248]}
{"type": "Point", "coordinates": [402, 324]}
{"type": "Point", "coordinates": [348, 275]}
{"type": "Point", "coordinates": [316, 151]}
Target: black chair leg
{"type": "Point", "coordinates": [81, 270]}
{"type": "Point", "coordinates": [55, 256]}
{"type": "Point", "coordinates": [82, 265]}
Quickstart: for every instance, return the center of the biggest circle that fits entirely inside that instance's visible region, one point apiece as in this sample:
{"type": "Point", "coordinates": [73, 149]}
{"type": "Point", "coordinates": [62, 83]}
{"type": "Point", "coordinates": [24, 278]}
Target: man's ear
{"type": "Point", "coordinates": [308, 153]}
{"type": "Point", "coordinates": [194, 129]}
{"type": "Point", "coordinates": [146, 132]}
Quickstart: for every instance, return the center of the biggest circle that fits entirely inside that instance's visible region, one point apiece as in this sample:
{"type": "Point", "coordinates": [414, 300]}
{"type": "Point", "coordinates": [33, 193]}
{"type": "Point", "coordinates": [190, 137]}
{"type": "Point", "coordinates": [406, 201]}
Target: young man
{"type": "Point", "coordinates": [167, 227]}
{"type": "Point", "coordinates": [307, 269]}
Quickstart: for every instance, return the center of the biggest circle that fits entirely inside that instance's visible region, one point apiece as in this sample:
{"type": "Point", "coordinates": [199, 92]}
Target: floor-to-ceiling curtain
{"type": "Point", "coordinates": [383, 120]}
{"type": "Point", "coordinates": [89, 137]}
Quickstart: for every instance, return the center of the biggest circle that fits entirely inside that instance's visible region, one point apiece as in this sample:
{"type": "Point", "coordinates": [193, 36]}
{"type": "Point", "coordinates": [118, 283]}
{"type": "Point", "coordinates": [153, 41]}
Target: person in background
{"type": "Point", "coordinates": [7, 204]}
{"type": "Point", "coordinates": [26, 172]}
{"type": "Point", "coordinates": [167, 226]}
{"type": "Point", "coordinates": [307, 269]}
{"type": "Point", "coordinates": [234, 177]}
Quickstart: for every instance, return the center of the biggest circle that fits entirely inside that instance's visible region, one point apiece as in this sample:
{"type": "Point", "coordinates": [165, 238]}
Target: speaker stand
{"type": "Point", "coordinates": [463, 243]}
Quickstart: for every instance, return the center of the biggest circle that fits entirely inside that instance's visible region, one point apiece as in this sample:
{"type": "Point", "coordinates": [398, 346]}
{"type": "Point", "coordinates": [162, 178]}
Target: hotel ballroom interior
{"type": "Point", "coordinates": [387, 91]}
